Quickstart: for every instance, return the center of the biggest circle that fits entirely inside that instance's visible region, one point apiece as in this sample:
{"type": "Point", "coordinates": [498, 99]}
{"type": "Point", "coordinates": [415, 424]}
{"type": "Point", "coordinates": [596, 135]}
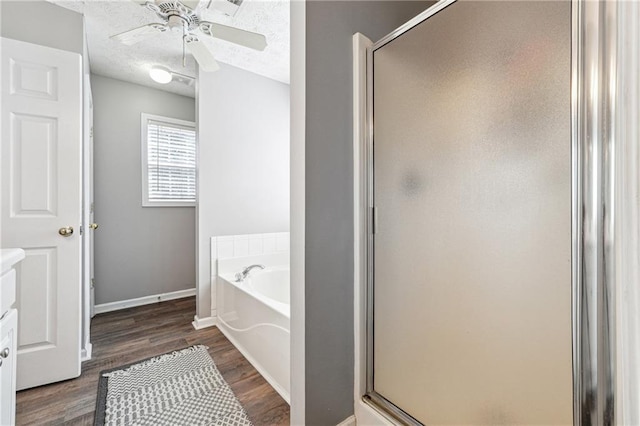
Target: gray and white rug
{"type": "Point", "coordinates": [179, 388]}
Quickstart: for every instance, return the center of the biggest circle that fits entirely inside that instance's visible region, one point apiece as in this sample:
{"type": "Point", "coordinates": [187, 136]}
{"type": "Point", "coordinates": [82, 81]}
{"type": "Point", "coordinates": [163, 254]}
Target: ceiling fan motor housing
{"type": "Point", "coordinates": [176, 14]}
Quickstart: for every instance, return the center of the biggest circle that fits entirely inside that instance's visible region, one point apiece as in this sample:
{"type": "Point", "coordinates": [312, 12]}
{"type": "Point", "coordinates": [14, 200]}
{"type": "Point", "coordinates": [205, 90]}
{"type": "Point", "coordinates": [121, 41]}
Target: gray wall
{"type": "Point", "coordinates": [138, 251]}
{"type": "Point", "coordinates": [42, 23]}
{"type": "Point", "coordinates": [329, 195]}
{"type": "Point", "coordinates": [243, 157]}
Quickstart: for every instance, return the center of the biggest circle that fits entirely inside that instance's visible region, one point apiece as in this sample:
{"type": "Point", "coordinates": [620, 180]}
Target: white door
{"type": "Point", "coordinates": [41, 200]}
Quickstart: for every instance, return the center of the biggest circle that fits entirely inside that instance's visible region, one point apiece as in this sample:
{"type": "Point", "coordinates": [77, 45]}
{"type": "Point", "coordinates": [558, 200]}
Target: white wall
{"type": "Point", "coordinates": [139, 251]}
{"type": "Point", "coordinates": [243, 160]}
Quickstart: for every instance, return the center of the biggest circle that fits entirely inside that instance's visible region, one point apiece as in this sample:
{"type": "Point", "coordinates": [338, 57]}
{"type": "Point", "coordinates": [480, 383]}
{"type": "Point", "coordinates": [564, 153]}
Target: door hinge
{"type": "Point", "coordinates": [80, 230]}
{"type": "Point", "coordinates": [91, 208]}
{"type": "Point", "coordinates": [93, 282]}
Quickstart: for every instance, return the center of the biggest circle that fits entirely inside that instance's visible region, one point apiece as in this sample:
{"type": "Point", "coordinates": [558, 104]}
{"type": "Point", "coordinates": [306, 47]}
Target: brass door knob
{"type": "Point", "coordinates": [66, 231]}
{"type": "Point", "coordinates": [93, 225]}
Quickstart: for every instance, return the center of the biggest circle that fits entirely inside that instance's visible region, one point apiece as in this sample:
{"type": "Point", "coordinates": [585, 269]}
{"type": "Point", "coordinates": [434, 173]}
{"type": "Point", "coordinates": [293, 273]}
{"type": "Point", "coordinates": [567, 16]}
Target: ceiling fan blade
{"type": "Point", "coordinates": [137, 34]}
{"type": "Point", "coordinates": [201, 53]}
{"type": "Point", "coordinates": [234, 35]}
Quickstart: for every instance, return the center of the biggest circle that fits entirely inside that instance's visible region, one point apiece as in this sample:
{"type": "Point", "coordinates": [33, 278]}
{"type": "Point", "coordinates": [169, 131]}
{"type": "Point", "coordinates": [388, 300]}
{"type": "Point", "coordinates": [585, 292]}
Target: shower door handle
{"type": "Point", "coordinates": [374, 220]}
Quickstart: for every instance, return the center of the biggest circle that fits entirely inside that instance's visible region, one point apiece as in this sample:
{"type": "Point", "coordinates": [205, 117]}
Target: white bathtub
{"type": "Point", "coordinates": [255, 316]}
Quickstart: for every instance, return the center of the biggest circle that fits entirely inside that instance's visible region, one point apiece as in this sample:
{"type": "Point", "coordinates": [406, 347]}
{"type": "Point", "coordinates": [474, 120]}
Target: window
{"type": "Point", "coordinates": [168, 162]}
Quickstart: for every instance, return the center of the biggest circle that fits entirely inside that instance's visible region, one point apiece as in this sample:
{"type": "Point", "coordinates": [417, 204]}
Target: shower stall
{"type": "Point", "coordinates": [483, 189]}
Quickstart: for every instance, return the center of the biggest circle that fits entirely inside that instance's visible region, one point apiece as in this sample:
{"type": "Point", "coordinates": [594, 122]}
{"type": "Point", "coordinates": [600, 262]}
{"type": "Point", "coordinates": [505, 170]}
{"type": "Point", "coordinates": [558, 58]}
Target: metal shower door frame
{"type": "Point", "coordinates": [593, 168]}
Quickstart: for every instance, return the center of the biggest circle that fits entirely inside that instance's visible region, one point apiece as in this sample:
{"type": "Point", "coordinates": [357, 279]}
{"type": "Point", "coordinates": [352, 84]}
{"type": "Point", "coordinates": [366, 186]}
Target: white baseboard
{"type": "Point", "coordinates": [200, 323]}
{"type": "Point", "coordinates": [85, 353]}
{"type": "Point", "coordinates": [146, 300]}
{"type": "Point", "coordinates": [366, 415]}
{"type": "Point", "coordinates": [349, 421]}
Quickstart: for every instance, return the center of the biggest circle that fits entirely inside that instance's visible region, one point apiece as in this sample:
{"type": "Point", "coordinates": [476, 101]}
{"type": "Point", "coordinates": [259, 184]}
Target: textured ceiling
{"type": "Point", "coordinates": [131, 63]}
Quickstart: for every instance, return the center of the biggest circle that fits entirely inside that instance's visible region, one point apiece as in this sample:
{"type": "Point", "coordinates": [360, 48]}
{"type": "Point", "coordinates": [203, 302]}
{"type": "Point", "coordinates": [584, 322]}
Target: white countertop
{"type": "Point", "coordinates": [9, 257]}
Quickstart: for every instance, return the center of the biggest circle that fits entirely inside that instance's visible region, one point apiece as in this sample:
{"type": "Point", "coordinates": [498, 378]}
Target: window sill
{"type": "Point", "coordinates": [168, 204]}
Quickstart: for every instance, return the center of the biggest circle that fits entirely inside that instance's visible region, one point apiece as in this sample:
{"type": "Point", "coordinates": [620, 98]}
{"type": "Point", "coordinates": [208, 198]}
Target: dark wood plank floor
{"type": "Point", "coordinates": [133, 334]}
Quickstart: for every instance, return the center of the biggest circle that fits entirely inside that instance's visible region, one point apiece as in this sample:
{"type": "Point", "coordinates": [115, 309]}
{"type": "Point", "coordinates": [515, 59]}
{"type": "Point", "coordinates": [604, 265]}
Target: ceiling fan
{"type": "Point", "coordinates": [185, 17]}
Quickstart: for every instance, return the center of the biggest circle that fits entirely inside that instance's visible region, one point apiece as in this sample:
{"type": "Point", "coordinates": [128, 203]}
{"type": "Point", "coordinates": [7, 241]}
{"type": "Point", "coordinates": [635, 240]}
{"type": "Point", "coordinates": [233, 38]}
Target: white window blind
{"type": "Point", "coordinates": [170, 162]}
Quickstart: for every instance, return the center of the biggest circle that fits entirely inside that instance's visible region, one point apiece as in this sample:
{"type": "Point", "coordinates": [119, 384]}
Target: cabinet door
{"type": "Point", "coordinates": [8, 326]}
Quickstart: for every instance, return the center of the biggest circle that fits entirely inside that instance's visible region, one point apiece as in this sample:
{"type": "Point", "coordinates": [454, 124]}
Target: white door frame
{"type": "Point", "coordinates": [87, 201]}
{"type": "Point", "coordinates": [365, 414]}
{"type": "Point", "coordinates": [87, 232]}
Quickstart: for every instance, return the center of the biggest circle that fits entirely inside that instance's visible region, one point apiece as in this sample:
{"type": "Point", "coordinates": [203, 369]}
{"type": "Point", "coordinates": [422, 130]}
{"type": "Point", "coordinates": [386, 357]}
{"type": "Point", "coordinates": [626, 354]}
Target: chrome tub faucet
{"type": "Point", "coordinates": [240, 276]}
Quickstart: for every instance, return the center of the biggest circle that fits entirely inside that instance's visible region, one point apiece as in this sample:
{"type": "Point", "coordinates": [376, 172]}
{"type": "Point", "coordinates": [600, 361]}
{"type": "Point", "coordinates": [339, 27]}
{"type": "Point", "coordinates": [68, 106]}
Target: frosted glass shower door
{"type": "Point", "coordinates": [472, 188]}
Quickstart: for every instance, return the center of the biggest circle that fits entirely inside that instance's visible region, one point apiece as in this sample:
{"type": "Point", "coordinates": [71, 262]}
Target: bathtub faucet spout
{"type": "Point", "coordinates": [240, 276]}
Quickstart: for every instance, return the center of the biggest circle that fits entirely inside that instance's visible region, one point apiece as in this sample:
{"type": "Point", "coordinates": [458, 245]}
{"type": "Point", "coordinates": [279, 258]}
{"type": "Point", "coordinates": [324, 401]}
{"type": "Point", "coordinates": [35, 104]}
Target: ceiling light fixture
{"type": "Point", "coordinates": [160, 75]}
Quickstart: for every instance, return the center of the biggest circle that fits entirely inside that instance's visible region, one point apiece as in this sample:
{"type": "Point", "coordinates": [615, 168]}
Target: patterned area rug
{"type": "Point", "coordinates": [179, 388]}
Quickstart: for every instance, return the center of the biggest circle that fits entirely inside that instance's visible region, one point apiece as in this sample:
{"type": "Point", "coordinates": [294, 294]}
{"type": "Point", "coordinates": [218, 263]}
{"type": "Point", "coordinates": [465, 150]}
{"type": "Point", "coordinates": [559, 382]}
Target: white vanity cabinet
{"type": "Point", "coordinates": [8, 345]}
{"type": "Point", "coordinates": [8, 334]}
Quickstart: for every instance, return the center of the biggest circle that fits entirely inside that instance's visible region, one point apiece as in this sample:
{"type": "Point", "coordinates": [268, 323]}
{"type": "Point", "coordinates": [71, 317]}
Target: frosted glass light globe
{"type": "Point", "coordinates": [160, 75]}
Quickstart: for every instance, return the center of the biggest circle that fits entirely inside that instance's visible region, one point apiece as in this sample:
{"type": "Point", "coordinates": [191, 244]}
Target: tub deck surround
{"type": "Point", "coordinates": [270, 286]}
{"type": "Point", "coordinates": [243, 246]}
{"type": "Point", "coordinates": [255, 314]}
{"type": "Point", "coordinates": [259, 327]}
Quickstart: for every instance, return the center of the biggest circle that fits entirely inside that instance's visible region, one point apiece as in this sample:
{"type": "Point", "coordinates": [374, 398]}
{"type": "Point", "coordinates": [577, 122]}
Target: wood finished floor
{"type": "Point", "coordinates": [133, 334]}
